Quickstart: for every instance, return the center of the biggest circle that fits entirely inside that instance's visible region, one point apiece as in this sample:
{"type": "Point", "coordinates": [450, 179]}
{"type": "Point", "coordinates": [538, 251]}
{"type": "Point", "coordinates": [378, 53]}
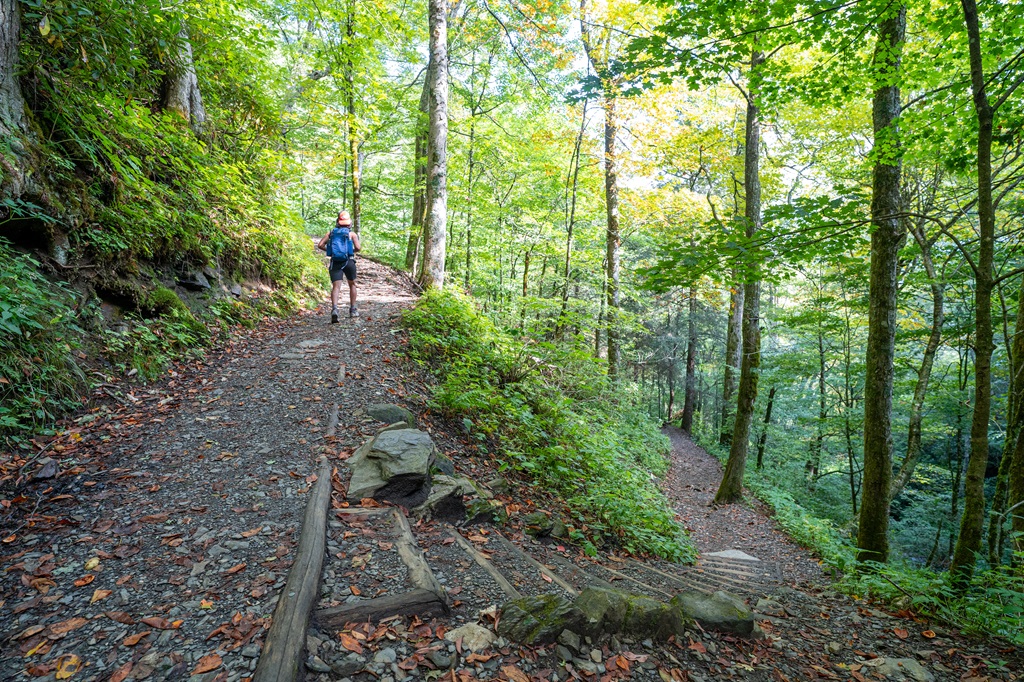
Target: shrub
{"type": "Point", "coordinates": [556, 421]}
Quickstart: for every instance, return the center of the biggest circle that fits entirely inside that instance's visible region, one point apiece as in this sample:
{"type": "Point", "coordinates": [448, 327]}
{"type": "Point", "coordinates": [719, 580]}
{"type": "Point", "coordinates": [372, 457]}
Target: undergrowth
{"type": "Point", "coordinates": [992, 604]}
{"type": "Point", "coordinates": [557, 421]}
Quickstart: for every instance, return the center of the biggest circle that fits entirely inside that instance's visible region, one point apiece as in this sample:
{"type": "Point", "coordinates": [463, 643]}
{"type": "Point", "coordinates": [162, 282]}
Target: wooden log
{"type": "Point", "coordinates": [418, 602]}
{"type": "Point", "coordinates": [555, 578]}
{"type": "Point", "coordinates": [341, 375]}
{"type": "Point", "coordinates": [282, 653]}
{"type": "Point", "coordinates": [485, 564]}
{"type": "Point", "coordinates": [686, 583]}
{"type": "Point", "coordinates": [332, 422]}
{"type": "Point", "coordinates": [623, 576]}
{"type": "Point", "coordinates": [420, 574]}
{"type": "Point", "coordinates": [588, 578]}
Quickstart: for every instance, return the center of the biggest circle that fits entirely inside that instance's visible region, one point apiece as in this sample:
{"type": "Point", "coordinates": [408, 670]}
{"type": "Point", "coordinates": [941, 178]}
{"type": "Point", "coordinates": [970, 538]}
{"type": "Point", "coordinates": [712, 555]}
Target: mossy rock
{"type": "Point", "coordinates": [539, 619]}
{"type": "Point", "coordinates": [163, 301]}
{"type": "Point", "coordinates": [618, 612]}
{"type": "Point", "coordinates": [721, 611]}
{"type": "Point", "coordinates": [538, 524]}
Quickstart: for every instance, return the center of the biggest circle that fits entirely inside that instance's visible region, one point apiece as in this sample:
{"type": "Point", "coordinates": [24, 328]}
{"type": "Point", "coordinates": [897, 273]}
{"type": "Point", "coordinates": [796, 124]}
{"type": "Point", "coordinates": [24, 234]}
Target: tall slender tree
{"type": "Point", "coordinates": [437, 145]}
{"type": "Point", "coordinates": [887, 238]}
{"type": "Point", "coordinates": [181, 86]}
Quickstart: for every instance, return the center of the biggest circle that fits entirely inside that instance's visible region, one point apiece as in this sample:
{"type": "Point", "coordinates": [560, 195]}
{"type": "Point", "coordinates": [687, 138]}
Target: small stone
{"type": "Point", "coordinates": [563, 653]}
{"type": "Point", "coordinates": [907, 668]}
{"type": "Point", "coordinates": [315, 664]}
{"type": "Point", "coordinates": [595, 655]}
{"type": "Point", "coordinates": [386, 655]}
{"type": "Point", "coordinates": [712, 648]}
{"type": "Point", "coordinates": [569, 639]}
{"type": "Point", "coordinates": [474, 637]}
{"type": "Point", "coordinates": [251, 651]}
{"type": "Point", "coordinates": [834, 647]}
{"type": "Point", "coordinates": [440, 660]}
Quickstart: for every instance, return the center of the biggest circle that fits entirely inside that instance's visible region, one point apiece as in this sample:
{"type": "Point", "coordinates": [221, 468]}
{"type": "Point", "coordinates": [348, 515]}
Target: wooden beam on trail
{"type": "Point", "coordinates": [485, 564]}
{"type": "Point", "coordinates": [341, 375]}
{"type": "Point", "coordinates": [282, 654]}
{"type": "Point", "coordinates": [332, 422]}
{"type": "Point", "coordinates": [686, 583]}
{"type": "Point", "coordinates": [570, 568]}
{"type": "Point", "coordinates": [412, 556]}
{"type": "Point", "coordinates": [416, 602]}
{"type": "Point", "coordinates": [526, 556]}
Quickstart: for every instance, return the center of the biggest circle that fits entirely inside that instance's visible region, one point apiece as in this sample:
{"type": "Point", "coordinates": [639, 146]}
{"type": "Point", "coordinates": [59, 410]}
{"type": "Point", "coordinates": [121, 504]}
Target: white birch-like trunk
{"type": "Point", "coordinates": [181, 87]}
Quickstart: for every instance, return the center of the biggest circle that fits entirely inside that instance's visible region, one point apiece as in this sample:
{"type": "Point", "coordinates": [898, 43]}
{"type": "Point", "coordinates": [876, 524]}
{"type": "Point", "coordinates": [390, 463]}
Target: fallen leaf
{"type": "Point", "coordinates": [206, 664]}
{"type": "Point", "coordinates": [29, 631]}
{"type": "Point", "coordinates": [235, 569]}
{"type": "Point", "coordinates": [121, 674]}
{"type": "Point", "coordinates": [92, 563]}
{"type": "Point", "coordinates": [100, 594]}
{"type": "Point", "coordinates": [250, 533]}
{"type": "Point", "coordinates": [67, 666]}
{"type": "Point", "coordinates": [515, 674]}
{"type": "Point", "coordinates": [354, 590]}
{"type": "Point", "coordinates": [132, 640]}
{"type": "Point", "coordinates": [85, 580]}
{"type": "Point", "coordinates": [205, 604]}
{"type": "Point", "coordinates": [928, 634]}
{"type": "Point", "coordinates": [698, 647]}
{"type": "Point", "coordinates": [42, 585]}
{"type": "Point", "coordinates": [901, 633]}
{"type": "Point", "coordinates": [350, 643]}
{"type": "Point", "coordinates": [65, 626]}
{"type": "Point", "coordinates": [120, 617]}
{"type": "Point", "coordinates": [546, 577]}
{"type": "Point", "coordinates": [160, 623]}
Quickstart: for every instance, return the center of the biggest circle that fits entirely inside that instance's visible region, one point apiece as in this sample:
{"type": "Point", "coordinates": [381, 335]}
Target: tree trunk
{"type": "Point", "coordinates": [419, 188]}
{"type": "Point", "coordinates": [886, 240]}
{"type": "Point", "coordinates": [733, 357]}
{"type": "Point", "coordinates": [671, 384]}
{"type": "Point", "coordinates": [973, 520]}
{"type": "Point", "coordinates": [353, 127]}
{"type": "Point", "coordinates": [817, 445]}
{"type": "Point", "coordinates": [570, 218]}
{"type": "Point", "coordinates": [12, 106]}
{"type": "Point", "coordinates": [437, 172]}
{"type": "Point", "coordinates": [923, 374]}
{"type": "Point", "coordinates": [181, 87]}
{"type": "Point", "coordinates": [690, 398]}
{"type": "Point", "coordinates": [611, 191]}
{"type": "Point", "coordinates": [731, 488]}
{"type": "Point", "coordinates": [763, 440]}
{"type": "Point", "coordinates": [469, 206]}
{"type": "Point", "coordinates": [1008, 491]}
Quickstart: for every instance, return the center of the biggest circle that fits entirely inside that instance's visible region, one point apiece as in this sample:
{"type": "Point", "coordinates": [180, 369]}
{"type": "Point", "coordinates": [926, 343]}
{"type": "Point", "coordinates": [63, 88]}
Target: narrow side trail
{"type": "Point", "coordinates": [817, 633]}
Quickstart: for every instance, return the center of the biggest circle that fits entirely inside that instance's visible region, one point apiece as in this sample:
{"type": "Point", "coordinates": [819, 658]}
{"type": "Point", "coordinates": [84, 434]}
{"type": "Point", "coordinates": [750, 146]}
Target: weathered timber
{"type": "Point", "coordinates": [282, 653]}
{"type": "Point", "coordinates": [485, 564]}
{"type": "Point", "coordinates": [418, 602]}
{"type": "Point", "coordinates": [412, 556]}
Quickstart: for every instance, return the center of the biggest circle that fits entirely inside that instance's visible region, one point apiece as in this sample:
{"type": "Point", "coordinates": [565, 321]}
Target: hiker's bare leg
{"type": "Point", "coordinates": [335, 293]}
{"type": "Point", "coordinates": [351, 293]}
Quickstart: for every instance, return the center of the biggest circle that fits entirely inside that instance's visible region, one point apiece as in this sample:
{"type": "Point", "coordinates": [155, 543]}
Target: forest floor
{"type": "Point", "coordinates": [150, 540]}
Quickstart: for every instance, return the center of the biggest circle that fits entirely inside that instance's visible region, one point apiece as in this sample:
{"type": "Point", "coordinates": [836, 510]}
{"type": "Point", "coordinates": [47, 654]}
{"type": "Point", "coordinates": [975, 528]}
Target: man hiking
{"type": "Point", "coordinates": [341, 244]}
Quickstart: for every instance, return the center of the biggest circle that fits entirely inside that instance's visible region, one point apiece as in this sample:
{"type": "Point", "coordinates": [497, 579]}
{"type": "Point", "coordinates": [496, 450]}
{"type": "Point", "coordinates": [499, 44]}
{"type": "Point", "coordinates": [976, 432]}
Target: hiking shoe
{"type": "Point", "coordinates": [335, 316]}
{"type": "Point", "coordinates": [353, 312]}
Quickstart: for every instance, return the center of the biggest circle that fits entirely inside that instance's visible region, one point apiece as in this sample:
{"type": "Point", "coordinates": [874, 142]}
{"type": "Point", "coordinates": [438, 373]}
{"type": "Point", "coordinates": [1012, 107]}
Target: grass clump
{"type": "Point", "coordinates": [556, 420]}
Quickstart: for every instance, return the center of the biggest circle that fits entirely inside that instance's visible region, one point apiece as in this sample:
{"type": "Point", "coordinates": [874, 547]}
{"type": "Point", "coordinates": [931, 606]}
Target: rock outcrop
{"type": "Point", "coordinates": [394, 466]}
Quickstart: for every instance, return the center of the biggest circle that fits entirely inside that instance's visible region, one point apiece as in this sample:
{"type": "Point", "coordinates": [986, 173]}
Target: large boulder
{"type": "Point", "coordinates": [394, 466]}
{"type": "Point", "coordinates": [389, 414]}
{"type": "Point", "coordinates": [539, 619]}
{"type": "Point", "coordinates": [615, 612]}
{"type": "Point", "coordinates": [721, 611]}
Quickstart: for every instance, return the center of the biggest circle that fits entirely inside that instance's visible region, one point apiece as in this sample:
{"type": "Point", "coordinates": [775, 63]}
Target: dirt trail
{"type": "Point", "coordinates": [158, 549]}
{"type": "Point", "coordinates": [175, 511]}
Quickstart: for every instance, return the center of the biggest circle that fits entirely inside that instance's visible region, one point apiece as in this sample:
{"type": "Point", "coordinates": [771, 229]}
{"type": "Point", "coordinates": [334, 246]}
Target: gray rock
{"type": "Point", "coordinates": [251, 651]}
{"type": "Point", "coordinates": [393, 466]}
{"type": "Point", "coordinates": [563, 653]}
{"type": "Point", "coordinates": [540, 619]}
{"type": "Point", "coordinates": [315, 664]}
{"type": "Point", "coordinates": [389, 414]}
{"type": "Point", "coordinates": [236, 289]}
{"type": "Point", "coordinates": [445, 501]}
{"type": "Point", "coordinates": [722, 611]}
{"type": "Point", "coordinates": [558, 529]}
{"type": "Point", "coordinates": [595, 655]}
{"type": "Point", "coordinates": [770, 607]}
{"type": "Point", "coordinates": [194, 281]}
{"type": "Point", "coordinates": [498, 485]}
{"type": "Point", "coordinates": [48, 468]}
{"type": "Point", "coordinates": [474, 637]}
{"type": "Point", "coordinates": [616, 611]}
{"type": "Point", "coordinates": [569, 639]}
{"type": "Point", "coordinates": [386, 655]}
{"type": "Point", "coordinates": [349, 665]}
{"type": "Point", "coordinates": [440, 660]}
{"type": "Point", "coordinates": [444, 465]}
{"type": "Point", "coordinates": [905, 669]}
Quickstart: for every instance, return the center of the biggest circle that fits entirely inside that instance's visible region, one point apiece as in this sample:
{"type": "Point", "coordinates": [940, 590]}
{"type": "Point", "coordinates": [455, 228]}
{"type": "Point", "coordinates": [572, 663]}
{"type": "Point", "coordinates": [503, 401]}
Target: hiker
{"type": "Point", "coordinates": [341, 244]}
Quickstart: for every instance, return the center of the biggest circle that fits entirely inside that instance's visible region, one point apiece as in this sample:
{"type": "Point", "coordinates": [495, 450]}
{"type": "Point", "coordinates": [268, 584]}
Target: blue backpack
{"type": "Point", "coordinates": [340, 246]}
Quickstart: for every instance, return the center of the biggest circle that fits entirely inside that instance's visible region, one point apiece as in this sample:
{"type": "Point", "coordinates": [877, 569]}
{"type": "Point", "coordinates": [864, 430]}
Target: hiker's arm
{"type": "Point", "coordinates": [355, 241]}
{"type": "Point", "coordinates": [323, 242]}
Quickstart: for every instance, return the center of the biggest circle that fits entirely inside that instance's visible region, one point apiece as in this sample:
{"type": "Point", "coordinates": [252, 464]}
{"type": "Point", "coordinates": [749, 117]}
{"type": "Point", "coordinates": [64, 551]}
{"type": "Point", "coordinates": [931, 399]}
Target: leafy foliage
{"type": "Point", "coordinates": [560, 427]}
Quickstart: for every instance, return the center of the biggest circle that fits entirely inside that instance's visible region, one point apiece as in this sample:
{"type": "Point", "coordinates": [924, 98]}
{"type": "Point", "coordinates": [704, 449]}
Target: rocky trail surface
{"type": "Point", "coordinates": [153, 540]}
